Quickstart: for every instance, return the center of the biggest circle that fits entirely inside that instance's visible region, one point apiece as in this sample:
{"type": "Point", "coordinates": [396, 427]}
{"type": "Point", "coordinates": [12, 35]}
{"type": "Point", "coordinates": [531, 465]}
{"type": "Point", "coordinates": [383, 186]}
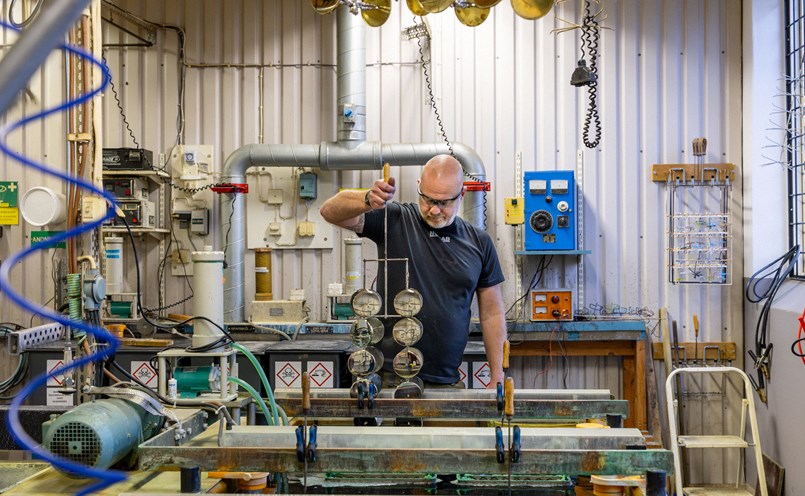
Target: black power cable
{"type": "Point", "coordinates": [763, 287]}
{"type": "Point", "coordinates": [590, 38]}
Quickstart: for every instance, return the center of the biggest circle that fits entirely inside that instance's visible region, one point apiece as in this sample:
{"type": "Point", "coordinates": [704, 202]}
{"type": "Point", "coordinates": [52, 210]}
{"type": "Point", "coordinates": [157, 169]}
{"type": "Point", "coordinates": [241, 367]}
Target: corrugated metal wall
{"type": "Point", "coordinates": [669, 72]}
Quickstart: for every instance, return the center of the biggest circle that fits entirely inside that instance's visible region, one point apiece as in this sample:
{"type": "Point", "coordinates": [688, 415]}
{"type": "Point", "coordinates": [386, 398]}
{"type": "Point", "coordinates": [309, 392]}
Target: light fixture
{"type": "Point", "coordinates": [582, 76]}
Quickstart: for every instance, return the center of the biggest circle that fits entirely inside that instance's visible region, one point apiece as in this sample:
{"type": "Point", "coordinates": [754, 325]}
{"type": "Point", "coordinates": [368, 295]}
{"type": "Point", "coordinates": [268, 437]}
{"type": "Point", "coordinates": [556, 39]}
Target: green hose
{"type": "Point", "coordinates": [263, 378]}
{"type": "Point", "coordinates": [245, 385]}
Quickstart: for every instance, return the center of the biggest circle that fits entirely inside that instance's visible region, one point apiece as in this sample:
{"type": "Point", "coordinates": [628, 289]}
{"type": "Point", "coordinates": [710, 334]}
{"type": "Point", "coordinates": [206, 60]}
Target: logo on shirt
{"type": "Point", "coordinates": [445, 239]}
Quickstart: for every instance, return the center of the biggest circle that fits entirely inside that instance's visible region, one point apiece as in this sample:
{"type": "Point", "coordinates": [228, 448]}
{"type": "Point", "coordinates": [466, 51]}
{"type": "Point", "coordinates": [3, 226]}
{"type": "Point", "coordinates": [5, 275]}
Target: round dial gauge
{"type": "Point", "coordinates": [408, 302]}
{"type": "Point", "coordinates": [408, 362]}
{"type": "Point", "coordinates": [365, 362]}
{"type": "Point", "coordinates": [367, 331]}
{"type": "Point", "coordinates": [366, 302]}
{"type": "Point", "coordinates": [407, 331]}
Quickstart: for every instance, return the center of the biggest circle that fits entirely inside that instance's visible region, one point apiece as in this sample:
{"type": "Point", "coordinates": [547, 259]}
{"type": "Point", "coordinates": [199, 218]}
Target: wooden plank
{"type": "Point", "coordinates": [575, 348]}
{"type": "Point", "coordinates": [694, 350]}
{"type": "Point", "coordinates": [153, 342]}
{"type": "Point", "coordinates": [685, 172]}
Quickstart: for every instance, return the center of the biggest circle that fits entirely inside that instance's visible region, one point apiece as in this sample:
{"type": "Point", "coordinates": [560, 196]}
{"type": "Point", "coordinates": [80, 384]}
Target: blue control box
{"type": "Point", "coordinates": [550, 210]}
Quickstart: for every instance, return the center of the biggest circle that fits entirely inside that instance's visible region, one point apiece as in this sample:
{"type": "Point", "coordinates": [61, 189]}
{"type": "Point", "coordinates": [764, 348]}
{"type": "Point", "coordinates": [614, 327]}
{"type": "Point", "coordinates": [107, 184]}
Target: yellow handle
{"type": "Point", "coordinates": [508, 393]}
{"type": "Point", "coordinates": [386, 172]}
{"type": "Point", "coordinates": [305, 392]}
{"type": "Point", "coordinates": [506, 351]}
{"type": "Point", "coordinates": [696, 324]}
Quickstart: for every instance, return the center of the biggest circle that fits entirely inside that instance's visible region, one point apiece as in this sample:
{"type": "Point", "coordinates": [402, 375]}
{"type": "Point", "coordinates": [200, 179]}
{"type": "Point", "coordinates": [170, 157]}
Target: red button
{"type": "Point", "coordinates": [555, 299]}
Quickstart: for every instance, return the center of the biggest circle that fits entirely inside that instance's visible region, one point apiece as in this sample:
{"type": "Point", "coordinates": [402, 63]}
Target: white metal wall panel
{"type": "Point", "coordinates": [668, 73]}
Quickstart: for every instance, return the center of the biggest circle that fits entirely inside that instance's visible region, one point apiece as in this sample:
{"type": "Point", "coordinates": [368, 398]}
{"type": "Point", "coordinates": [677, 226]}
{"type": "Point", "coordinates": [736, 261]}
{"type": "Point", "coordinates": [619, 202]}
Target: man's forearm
{"type": "Point", "coordinates": [345, 209]}
{"type": "Point", "coordinates": [493, 325]}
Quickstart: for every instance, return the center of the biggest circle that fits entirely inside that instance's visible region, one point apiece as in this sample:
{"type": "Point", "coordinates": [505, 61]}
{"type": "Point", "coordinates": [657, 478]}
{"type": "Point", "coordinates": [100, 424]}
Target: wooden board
{"type": "Point", "coordinates": [697, 351]}
{"type": "Point", "coordinates": [150, 342]}
{"type": "Point", "coordinates": [775, 475]}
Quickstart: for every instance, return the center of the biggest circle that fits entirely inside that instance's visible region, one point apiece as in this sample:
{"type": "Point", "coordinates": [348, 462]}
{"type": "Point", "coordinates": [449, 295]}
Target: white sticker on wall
{"type": "Point", "coordinates": [55, 398]}
{"type": "Point", "coordinates": [287, 374]}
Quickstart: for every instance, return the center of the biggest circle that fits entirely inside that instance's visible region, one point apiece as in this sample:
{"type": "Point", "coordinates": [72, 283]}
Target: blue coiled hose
{"type": "Point", "coordinates": [105, 477]}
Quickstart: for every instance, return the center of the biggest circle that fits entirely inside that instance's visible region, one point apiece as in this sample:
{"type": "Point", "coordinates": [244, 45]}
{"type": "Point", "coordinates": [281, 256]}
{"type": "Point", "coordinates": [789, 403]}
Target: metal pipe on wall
{"type": "Point", "coordinates": [350, 152]}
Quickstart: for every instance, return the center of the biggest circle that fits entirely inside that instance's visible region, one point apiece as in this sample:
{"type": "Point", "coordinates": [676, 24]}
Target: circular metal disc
{"type": "Point", "coordinates": [408, 302]}
{"type": "Point", "coordinates": [407, 331]}
{"type": "Point", "coordinates": [471, 16]}
{"type": "Point", "coordinates": [408, 362]}
{"type": "Point", "coordinates": [377, 13]}
{"type": "Point", "coordinates": [532, 9]}
{"type": "Point", "coordinates": [486, 3]}
{"type": "Point", "coordinates": [324, 6]}
{"type": "Point", "coordinates": [416, 7]}
{"type": "Point", "coordinates": [367, 331]}
{"type": "Point", "coordinates": [366, 302]}
{"type": "Point", "coordinates": [364, 362]}
{"type": "Point", "coordinates": [434, 6]}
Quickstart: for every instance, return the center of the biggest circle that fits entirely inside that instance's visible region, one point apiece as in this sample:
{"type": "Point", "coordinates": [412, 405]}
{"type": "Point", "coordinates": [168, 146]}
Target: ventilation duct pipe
{"type": "Point", "coordinates": [350, 152]}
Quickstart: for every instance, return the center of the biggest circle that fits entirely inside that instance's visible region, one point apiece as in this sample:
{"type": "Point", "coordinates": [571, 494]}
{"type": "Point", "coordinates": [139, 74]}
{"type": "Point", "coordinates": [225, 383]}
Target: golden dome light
{"type": "Point", "coordinates": [376, 13]}
{"type": "Point", "coordinates": [416, 7]}
{"type": "Point", "coordinates": [471, 16]}
{"type": "Point", "coordinates": [434, 6]}
{"type": "Point", "coordinates": [324, 6]}
{"type": "Point", "coordinates": [532, 9]}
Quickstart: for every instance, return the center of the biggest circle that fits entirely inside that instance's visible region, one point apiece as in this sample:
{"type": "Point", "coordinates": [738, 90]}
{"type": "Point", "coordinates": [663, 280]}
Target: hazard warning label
{"type": "Point", "coordinates": [53, 396]}
{"type": "Point", "coordinates": [462, 372]}
{"type": "Point", "coordinates": [54, 381]}
{"type": "Point", "coordinates": [481, 376]}
{"type": "Point", "coordinates": [321, 374]}
{"type": "Point", "coordinates": [144, 373]}
{"type": "Point", "coordinates": [287, 374]}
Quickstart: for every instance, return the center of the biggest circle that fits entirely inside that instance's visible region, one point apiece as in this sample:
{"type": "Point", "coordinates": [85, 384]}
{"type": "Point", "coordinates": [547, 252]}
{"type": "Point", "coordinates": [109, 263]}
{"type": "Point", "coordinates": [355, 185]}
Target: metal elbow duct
{"type": "Point", "coordinates": [419, 153]}
{"type": "Point", "coordinates": [231, 208]}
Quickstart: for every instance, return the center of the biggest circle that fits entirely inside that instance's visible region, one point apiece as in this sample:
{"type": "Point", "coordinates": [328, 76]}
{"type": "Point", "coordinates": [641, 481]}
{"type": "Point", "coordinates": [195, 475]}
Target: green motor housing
{"type": "Point", "coordinates": [101, 433]}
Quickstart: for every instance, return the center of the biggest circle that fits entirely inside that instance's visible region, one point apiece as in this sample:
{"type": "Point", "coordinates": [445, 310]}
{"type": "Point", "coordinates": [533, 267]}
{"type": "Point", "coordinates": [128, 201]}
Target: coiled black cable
{"type": "Point", "coordinates": [590, 37]}
{"type": "Point", "coordinates": [439, 123]}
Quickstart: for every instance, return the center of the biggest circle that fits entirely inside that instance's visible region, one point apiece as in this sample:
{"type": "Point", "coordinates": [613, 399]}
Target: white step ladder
{"type": "Point", "coordinates": [715, 441]}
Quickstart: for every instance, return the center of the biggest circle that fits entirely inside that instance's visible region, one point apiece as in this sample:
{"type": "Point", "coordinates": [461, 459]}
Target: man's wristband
{"type": "Point", "coordinates": [366, 199]}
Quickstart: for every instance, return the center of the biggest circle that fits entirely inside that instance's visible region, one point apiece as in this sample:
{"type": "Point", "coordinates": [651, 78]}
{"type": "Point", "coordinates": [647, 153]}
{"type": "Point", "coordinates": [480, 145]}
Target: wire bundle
{"type": "Point", "coordinates": [772, 275]}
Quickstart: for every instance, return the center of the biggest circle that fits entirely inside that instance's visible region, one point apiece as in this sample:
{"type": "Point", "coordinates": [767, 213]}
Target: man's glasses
{"type": "Point", "coordinates": [438, 203]}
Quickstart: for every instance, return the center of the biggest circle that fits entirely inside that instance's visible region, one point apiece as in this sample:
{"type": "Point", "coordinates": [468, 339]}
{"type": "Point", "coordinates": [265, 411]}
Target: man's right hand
{"type": "Point", "coordinates": [381, 193]}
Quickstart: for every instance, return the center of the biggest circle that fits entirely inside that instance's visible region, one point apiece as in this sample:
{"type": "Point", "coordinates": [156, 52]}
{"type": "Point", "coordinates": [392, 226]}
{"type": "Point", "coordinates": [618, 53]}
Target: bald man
{"type": "Point", "coordinates": [449, 261]}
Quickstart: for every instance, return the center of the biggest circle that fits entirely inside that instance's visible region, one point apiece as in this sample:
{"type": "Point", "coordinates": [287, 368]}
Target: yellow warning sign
{"type": "Point", "coordinates": [9, 216]}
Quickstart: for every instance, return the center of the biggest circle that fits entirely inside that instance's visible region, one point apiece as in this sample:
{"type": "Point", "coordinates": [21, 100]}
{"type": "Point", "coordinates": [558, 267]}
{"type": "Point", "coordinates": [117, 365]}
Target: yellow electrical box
{"type": "Point", "coordinates": [514, 208]}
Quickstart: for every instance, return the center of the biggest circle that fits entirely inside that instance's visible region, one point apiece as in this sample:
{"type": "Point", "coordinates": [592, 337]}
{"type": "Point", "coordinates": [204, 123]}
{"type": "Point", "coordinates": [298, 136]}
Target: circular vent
{"type": "Point", "coordinates": [76, 442]}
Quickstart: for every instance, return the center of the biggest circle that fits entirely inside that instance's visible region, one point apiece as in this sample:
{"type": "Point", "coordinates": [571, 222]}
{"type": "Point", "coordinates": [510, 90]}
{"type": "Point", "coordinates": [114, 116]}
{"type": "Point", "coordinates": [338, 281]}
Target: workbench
{"type": "Point", "coordinates": [592, 338]}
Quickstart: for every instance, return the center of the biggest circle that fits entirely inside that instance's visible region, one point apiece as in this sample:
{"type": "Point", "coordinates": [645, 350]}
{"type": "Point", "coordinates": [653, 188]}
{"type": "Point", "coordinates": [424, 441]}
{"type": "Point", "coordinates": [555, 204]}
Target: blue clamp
{"type": "Point", "coordinates": [311, 443]}
{"type": "Point", "coordinates": [360, 396]}
{"type": "Point", "coordinates": [371, 394]}
{"type": "Point", "coordinates": [499, 397]}
{"type": "Point", "coordinates": [300, 443]}
{"type": "Point", "coordinates": [514, 454]}
{"type": "Point", "coordinates": [500, 450]}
